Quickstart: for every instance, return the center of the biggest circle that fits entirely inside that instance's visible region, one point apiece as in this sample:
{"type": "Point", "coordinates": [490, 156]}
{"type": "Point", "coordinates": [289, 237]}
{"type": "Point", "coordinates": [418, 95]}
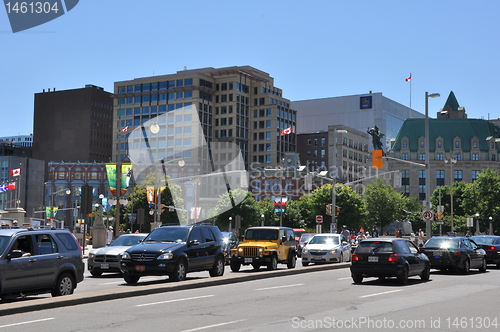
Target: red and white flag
{"type": "Point", "coordinates": [15, 172]}
{"type": "Point", "coordinates": [124, 129]}
{"type": "Point", "coordinates": [287, 131]}
{"type": "Point", "coordinates": [408, 78]}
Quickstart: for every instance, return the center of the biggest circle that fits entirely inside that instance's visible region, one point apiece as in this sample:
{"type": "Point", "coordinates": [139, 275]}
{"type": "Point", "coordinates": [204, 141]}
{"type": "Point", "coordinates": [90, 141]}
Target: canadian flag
{"type": "Point", "coordinates": [15, 172]}
{"type": "Point", "coordinates": [408, 78]}
{"type": "Point", "coordinates": [287, 131]}
{"type": "Point", "coordinates": [124, 129]}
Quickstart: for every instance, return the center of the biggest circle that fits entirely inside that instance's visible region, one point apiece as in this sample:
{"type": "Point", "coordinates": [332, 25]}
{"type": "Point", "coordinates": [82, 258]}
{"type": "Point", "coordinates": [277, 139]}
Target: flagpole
{"type": "Point", "coordinates": [410, 96]}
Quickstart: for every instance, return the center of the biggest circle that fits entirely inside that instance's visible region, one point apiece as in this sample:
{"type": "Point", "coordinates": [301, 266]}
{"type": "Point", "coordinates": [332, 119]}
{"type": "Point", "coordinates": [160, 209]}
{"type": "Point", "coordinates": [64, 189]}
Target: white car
{"type": "Point", "coordinates": [326, 248]}
{"type": "Point", "coordinates": [106, 259]}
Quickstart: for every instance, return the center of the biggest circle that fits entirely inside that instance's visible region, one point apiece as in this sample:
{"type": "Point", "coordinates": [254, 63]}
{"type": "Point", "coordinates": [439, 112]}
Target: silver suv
{"type": "Point", "coordinates": [39, 261]}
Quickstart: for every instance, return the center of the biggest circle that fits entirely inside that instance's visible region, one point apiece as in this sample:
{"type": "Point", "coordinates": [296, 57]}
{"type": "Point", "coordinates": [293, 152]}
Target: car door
{"type": "Point", "coordinates": [210, 247]}
{"type": "Point", "coordinates": [195, 251]}
{"type": "Point", "coordinates": [20, 274]}
{"type": "Point", "coordinates": [417, 258]}
{"type": "Point", "coordinates": [476, 259]}
{"type": "Point", "coordinates": [48, 257]}
{"type": "Point", "coordinates": [346, 248]}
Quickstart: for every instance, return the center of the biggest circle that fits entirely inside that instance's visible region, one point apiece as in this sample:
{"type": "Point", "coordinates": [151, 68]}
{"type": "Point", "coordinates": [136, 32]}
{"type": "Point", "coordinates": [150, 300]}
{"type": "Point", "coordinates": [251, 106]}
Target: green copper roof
{"type": "Point", "coordinates": [451, 103]}
{"type": "Point", "coordinates": [448, 129]}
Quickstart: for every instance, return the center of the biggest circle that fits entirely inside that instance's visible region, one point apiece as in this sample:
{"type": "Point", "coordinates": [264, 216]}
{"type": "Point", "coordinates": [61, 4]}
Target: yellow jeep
{"type": "Point", "coordinates": [265, 246]}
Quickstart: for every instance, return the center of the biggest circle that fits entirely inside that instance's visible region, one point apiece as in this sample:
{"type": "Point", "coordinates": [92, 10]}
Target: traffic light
{"type": "Point", "coordinates": [377, 159]}
{"type": "Point", "coordinates": [337, 210]}
{"type": "Point", "coordinates": [329, 209]}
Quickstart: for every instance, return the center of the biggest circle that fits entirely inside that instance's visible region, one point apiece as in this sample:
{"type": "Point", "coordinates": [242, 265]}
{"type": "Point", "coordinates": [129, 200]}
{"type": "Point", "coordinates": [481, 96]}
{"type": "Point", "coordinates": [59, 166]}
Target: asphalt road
{"type": "Point", "coordinates": [314, 301]}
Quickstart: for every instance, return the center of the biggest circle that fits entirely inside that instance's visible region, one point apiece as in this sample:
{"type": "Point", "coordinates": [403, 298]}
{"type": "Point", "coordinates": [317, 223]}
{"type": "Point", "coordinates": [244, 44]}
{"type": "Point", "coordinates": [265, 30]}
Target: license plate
{"type": "Point", "coordinates": [317, 258]}
{"type": "Point", "coordinates": [248, 260]}
{"type": "Point", "coordinates": [437, 254]}
{"type": "Point", "coordinates": [373, 259]}
{"type": "Point", "coordinates": [140, 267]}
{"type": "Point", "coordinates": [104, 266]}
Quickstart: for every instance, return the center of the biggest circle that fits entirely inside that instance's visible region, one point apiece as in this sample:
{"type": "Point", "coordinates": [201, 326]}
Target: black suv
{"type": "Point", "coordinates": [174, 251]}
{"type": "Point", "coordinates": [39, 261]}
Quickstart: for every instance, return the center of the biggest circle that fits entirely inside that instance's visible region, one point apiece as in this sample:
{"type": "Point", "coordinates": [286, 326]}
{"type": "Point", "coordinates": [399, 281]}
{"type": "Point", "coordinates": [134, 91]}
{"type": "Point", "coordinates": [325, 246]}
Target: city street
{"type": "Point", "coordinates": [306, 302]}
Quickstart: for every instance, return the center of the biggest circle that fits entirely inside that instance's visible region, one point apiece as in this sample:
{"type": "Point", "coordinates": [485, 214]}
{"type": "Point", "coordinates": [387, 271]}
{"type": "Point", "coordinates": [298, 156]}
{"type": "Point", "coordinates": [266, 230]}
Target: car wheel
{"type": "Point", "coordinates": [273, 264]}
{"type": "Point", "coordinates": [131, 279]}
{"type": "Point", "coordinates": [403, 276]}
{"type": "Point", "coordinates": [65, 285]}
{"type": "Point", "coordinates": [218, 268]}
{"type": "Point", "coordinates": [235, 266]}
{"type": "Point", "coordinates": [426, 273]}
{"type": "Point", "coordinates": [256, 266]}
{"type": "Point", "coordinates": [357, 278]}
{"type": "Point", "coordinates": [466, 268]}
{"type": "Point", "coordinates": [179, 273]}
{"type": "Point", "coordinates": [305, 263]}
{"type": "Point", "coordinates": [95, 274]}
{"type": "Point", "coordinates": [483, 266]}
{"type": "Point", "coordinates": [292, 261]}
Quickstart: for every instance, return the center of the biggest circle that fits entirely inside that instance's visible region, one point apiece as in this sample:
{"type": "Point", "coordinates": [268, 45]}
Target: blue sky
{"type": "Point", "coordinates": [313, 49]}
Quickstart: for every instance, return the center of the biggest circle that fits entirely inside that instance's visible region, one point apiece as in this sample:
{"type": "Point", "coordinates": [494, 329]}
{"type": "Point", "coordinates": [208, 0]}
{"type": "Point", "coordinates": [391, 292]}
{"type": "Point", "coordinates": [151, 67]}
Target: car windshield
{"type": "Point", "coordinates": [127, 240]}
{"type": "Point", "coordinates": [4, 240]}
{"type": "Point", "coordinates": [483, 240]}
{"type": "Point", "coordinates": [324, 240]}
{"type": "Point", "coordinates": [306, 237]}
{"type": "Point", "coordinates": [168, 234]}
{"type": "Point", "coordinates": [374, 247]}
{"type": "Point", "coordinates": [298, 233]}
{"type": "Point", "coordinates": [261, 234]}
{"type": "Point", "coordinates": [441, 243]}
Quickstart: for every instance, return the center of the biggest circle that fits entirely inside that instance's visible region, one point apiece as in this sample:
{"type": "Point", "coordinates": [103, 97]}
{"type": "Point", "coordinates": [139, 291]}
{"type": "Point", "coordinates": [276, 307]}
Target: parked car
{"type": "Point", "coordinates": [39, 261]}
{"type": "Point", "coordinates": [106, 259]}
{"type": "Point", "coordinates": [491, 245]}
{"type": "Point", "coordinates": [230, 242]}
{"type": "Point", "coordinates": [389, 257]}
{"type": "Point", "coordinates": [304, 238]}
{"type": "Point", "coordinates": [265, 246]}
{"type": "Point", "coordinates": [175, 251]}
{"type": "Point", "coordinates": [326, 248]}
{"type": "Point", "coordinates": [457, 253]}
{"type": "Point", "coordinates": [297, 233]}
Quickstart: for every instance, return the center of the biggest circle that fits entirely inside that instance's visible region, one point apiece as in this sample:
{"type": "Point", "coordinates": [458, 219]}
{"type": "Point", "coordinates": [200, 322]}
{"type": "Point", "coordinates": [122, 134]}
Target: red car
{"type": "Point", "coordinates": [305, 237]}
{"type": "Point", "coordinates": [297, 233]}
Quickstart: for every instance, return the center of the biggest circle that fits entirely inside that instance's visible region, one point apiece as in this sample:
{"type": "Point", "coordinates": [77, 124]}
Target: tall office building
{"type": "Point", "coordinates": [73, 125]}
{"type": "Point", "coordinates": [234, 104]}
{"type": "Point", "coordinates": [19, 140]}
{"type": "Point", "coordinates": [201, 121]}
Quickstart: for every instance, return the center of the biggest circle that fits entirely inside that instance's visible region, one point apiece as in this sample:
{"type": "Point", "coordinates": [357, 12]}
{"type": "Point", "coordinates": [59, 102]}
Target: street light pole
{"type": "Point", "coordinates": [491, 225]}
{"type": "Point", "coordinates": [428, 229]}
{"type": "Point", "coordinates": [451, 161]}
{"type": "Point", "coordinates": [230, 219]}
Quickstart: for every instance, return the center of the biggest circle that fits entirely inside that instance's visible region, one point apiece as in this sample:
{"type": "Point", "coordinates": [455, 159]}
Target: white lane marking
{"type": "Point", "coordinates": [177, 300]}
{"type": "Point", "coordinates": [344, 278]}
{"type": "Point", "coordinates": [279, 287]}
{"type": "Point", "coordinates": [215, 325]}
{"type": "Point", "coordinates": [376, 294]}
{"type": "Point", "coordinates": [28, 322]}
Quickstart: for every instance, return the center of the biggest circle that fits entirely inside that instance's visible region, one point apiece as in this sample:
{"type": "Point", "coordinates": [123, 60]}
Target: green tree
{"type": "Point", "coordinates": [481, 197]}
{"type": "Point", "coordinates": [353, 211]}
{"type": "Point", "coordinates": [248, 210]}
{"type": "Point", "coordinates": [443, 194]}
{"type": "Point", "coordinates": [266, 208]}
{"type": "Point", "coordinates": [384, 204]}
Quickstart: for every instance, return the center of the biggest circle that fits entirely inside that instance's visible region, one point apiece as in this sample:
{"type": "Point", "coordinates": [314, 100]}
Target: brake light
{"type": "Point", "coordinates": [490, 248]}
{"type": "Point", "coordinates": [393, 258]}
{"type": "Point", "coordinates": [456, 253]}
{"type": "Point", "coordinates": [355, 257]}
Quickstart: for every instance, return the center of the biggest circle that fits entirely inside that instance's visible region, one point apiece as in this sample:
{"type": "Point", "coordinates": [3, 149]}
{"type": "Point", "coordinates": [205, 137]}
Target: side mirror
{"type": "Point", "coordinates": [344, 243]}
{"type": "Point", "coordinates": [14, 254]}
{"type": "Point", "coordinates": [193, 243]}
{"type": "Point", "coordinates": [283, 238]}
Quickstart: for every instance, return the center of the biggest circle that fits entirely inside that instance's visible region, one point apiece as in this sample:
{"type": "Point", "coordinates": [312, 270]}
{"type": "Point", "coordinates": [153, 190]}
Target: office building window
{"type": "Point", "coordinates": [439, 156]}
{"type": "Point", "coordinates": [475, 156]}
{"type": "Point", "coordinates": [439, 178]}
{"type": "Point", "coordinates": [404, 156]}
{"type": "Point", "coordinates": [457, 175]}
{"type": "Point", "coordinates": [458, 156]}
{"type": "Point", "coordinates": [421, 156]}
{"type": "Point", "coordinates": [440, 144]}
{"type": "Point", "coordinates": [474, 175]}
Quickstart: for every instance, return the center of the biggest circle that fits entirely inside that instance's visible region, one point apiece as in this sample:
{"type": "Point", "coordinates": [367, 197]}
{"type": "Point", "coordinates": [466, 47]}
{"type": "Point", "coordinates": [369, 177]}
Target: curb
{"type": "Point", "coordinates": [139, 290]}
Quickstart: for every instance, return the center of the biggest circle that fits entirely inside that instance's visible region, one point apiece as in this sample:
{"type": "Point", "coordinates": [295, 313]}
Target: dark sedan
{"type": "Point", "coordinates": [490, 244]}
{"type": "Point", "coordinates": [457, 253]}
{"type": "Point", "coordinates": [388, 257]}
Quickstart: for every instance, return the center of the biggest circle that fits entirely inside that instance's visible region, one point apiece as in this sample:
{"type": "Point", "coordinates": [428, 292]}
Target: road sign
{"type": "Point", "coordinates": [319, 219]}
{"type": "Point", "coordinates": [428, 215]}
